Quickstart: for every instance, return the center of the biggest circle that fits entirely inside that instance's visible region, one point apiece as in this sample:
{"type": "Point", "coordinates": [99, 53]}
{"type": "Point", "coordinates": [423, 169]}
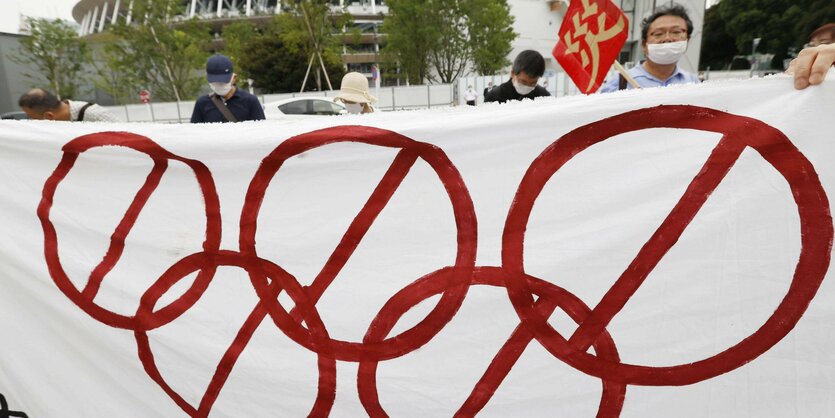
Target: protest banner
{"type": "Point", "coordinates": [654, 253]}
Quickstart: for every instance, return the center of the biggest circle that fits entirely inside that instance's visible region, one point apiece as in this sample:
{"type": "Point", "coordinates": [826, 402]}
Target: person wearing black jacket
{"type": "Point", "coordinates": [527, 68]}
{"type": "Point", "coordinates": [226, 103]}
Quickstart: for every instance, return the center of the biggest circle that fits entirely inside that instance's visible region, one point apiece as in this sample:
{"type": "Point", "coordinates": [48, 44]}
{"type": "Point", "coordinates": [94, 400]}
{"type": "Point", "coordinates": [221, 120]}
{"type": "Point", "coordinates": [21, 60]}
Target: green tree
{"type": "Point", "coordinates": [820, 13]}
{"type": "Point", "coordinates": [54, 48]}
{"type": "Point", "coordinates": [782, 26]}
{"type": "Point", "coordinates": [490, 26]}
{"type": "Point", "coordinates": [154, 54]}
{"type": "Point", "coordinates": [313, 28]}
{"type": "Point", "coordinates": [237, 37]}
{"type": "Point", "coordinates": [719, 46]}
{"type": "Point", "coordinates": [410, 37]}
{"type": "Point", "coordinates": [276, 69]}
{"type": "Point", "coordinates": [439, 39]}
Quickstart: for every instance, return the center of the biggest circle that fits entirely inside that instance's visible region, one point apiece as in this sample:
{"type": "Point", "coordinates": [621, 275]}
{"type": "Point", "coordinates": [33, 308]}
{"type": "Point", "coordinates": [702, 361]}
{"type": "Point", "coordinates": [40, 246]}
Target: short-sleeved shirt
{"type": "Point", "coordinates": [647, 80]}
{"type": "Point", "coordinates": [242, 104]}
{"type": "Point", "coordinates": [93, 113]}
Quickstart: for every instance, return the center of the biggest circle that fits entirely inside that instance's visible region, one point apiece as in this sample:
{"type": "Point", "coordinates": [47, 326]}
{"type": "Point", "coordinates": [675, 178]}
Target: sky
{"type": "Point", "coordinates": [10, 11]}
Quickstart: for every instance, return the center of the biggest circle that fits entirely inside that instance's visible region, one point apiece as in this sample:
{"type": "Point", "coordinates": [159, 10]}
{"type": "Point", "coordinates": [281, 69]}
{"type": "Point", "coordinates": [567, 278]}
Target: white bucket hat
{"type": "Point", "coordinates": [354, 88]}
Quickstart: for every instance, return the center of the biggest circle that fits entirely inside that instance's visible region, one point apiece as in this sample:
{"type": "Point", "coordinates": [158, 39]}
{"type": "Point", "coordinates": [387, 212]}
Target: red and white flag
{"type": "Point", "coordinates": [590, 39]}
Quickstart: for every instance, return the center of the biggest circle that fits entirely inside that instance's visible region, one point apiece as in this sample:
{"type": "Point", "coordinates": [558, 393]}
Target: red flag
{"type": "Point", "coordinates": [590, 39]}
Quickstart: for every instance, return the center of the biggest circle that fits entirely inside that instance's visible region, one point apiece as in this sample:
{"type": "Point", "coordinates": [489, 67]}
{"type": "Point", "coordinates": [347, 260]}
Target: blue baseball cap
{"type": "Point", "coordinates": [219, 69]}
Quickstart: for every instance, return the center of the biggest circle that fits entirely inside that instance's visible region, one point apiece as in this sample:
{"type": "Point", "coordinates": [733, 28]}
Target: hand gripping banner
{"type": "Point", "coordinates": [590, 38]}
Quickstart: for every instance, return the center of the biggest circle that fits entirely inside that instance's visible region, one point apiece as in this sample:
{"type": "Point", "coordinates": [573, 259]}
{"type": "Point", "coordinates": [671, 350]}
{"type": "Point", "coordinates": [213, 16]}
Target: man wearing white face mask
{"type": "Point", "coordinates": [664, 38]}
{"type": "Point", "coordinates": [226, 103]}
{"type": "Point", "coordinates": [527, 68]}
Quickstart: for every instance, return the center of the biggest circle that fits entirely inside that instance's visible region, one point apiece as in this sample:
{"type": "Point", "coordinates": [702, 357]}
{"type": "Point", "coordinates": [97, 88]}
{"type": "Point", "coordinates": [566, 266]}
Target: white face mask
{"type": "Point", "coordinates": [221, 89]}
{"type": "Point", "coordinates": [522, 89]}
{"type": "Point", "coordinates": [668, 53]}
{"type": "Point", "coordinates": [355, 108]}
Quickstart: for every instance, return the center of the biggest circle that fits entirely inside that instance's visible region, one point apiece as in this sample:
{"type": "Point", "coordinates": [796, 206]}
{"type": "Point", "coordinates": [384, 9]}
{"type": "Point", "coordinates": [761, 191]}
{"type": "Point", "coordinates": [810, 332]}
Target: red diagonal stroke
{"type": "Point", "coordinates": [201, 262]}
{"type": "Point", "coordinates": [230, 358]}
{"type": "Point", "coordinates": [550, 298]}
{"type": "Point", "coordinates": [117, 240]}
{"type": "Point", "coordinates": [721, 159]}
{"type": "Point", "coordinates": [378, 200]}
{"type": "Point", "coordinates": [502, 363]}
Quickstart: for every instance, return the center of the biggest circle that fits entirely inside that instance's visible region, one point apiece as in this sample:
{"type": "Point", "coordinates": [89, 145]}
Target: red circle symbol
{"type": "Point", "coordinates": [85, 298]}
{"type": "Point", "coordinates": [304, 325]}
{"type": "Point", "coordinates": [410, 151]}
{"type": "Point", "coordinates": [738, 133]}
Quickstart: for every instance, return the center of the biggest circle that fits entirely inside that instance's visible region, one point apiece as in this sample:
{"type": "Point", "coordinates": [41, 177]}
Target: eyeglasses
{"type": "Point", "coordinates": [675, 34]}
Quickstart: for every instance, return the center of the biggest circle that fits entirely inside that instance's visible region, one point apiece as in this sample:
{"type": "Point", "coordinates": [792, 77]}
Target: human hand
{"type": "Point", "coordinates": [811, 65]}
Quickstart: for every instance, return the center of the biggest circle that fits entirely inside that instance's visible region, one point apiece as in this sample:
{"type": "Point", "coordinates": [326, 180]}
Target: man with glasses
{"type": "Point", "coordinates": [664, 36]}
{"type": "Point", "coordinates": [823, 35]}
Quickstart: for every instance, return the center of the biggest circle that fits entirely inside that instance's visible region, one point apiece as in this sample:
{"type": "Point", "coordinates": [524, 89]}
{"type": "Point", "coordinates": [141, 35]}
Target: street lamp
{"type": "Point", "coordinates": [754, 44]}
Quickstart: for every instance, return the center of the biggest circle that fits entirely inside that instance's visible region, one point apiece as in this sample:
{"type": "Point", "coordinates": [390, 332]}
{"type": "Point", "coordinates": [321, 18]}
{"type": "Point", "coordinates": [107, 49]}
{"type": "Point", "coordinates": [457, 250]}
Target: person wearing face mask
{"type": "Point", "coordinates": [527, 68]}
{"type": "Point", "coordinates": [226, 103]}
{"type": "Point", "coordinates": [664, 36]}
{"type": "Point", "coordinates": [354, 93]}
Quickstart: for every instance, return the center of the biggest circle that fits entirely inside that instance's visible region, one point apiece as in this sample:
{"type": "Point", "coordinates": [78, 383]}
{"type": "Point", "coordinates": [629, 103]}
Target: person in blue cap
{"type": "Point", "coordinates": [226, 103]}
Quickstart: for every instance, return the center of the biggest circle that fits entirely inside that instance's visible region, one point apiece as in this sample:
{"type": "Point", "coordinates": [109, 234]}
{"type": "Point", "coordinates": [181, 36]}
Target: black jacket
{"type": "Point", "coordinates": [505, 91]}
{"type": "Point", "coordinates": [243, 105]}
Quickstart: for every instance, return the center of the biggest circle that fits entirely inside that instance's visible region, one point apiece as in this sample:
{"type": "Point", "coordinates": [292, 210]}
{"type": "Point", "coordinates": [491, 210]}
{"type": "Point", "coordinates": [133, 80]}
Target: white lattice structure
{"type": "Point", "coordinates": [94, 15]}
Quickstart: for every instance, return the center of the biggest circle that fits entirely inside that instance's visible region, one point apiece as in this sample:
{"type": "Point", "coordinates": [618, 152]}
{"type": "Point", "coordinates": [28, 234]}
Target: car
{"type": "Point", "coordinates": [14, 115]}
{"type": "Point", "coordinates": [303, 108]}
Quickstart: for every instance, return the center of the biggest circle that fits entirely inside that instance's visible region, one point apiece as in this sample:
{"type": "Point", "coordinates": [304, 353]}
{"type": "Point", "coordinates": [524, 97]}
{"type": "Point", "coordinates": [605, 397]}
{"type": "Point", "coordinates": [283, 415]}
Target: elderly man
{"type": "Point", "coordinates": [227, 103]}
{"type": "Point", "coordinates": [41, 104]}
{"type": "Point", "coordinates": [664, 37]}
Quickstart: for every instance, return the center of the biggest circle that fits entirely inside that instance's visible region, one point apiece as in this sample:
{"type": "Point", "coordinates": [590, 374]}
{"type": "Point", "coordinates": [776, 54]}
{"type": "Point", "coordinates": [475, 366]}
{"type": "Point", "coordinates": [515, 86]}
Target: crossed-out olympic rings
{"type": "Point", "coordinates": [304, 326]}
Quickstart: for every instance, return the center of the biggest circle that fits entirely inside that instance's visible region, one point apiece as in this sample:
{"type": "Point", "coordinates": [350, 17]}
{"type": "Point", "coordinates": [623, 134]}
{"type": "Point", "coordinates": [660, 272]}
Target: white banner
{"type": "Point", "coordinates": [648, 253]}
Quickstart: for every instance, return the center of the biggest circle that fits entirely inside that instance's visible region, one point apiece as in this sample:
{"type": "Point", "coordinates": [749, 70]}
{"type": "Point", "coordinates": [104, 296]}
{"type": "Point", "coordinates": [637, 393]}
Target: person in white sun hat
{"type": "Point", "coordinates": [354, 93]}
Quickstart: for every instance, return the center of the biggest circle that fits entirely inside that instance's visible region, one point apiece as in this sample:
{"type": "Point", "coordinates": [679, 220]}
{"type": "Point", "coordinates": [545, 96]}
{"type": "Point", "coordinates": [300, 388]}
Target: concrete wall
{"type": "Point", "coordinates": [13, 82]}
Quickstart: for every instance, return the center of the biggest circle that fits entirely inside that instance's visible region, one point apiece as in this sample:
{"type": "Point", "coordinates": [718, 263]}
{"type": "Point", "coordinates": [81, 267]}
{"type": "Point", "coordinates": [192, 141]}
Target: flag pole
{"type": "Point", "coordinates": [625, 74]}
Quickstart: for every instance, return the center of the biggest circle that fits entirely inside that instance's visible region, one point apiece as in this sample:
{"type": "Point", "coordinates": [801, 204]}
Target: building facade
{"type": "Point", "coordinates": [360, 55]}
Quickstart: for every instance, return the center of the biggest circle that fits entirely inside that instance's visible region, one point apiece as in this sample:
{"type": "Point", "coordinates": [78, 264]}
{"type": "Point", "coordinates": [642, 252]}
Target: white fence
{"type": "Point", "coordinates": [388, 99]}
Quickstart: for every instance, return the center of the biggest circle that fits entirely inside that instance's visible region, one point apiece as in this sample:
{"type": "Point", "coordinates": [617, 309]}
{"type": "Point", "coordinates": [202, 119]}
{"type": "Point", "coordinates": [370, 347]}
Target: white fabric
{"type": "Point", "coordinates": [719, 283]}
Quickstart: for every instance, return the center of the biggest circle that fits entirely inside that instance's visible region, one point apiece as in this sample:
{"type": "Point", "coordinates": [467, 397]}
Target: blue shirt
{"type": "Point", "coordinates": [647, 80]}
{"type": "Point", "coordinates": [243, 105]}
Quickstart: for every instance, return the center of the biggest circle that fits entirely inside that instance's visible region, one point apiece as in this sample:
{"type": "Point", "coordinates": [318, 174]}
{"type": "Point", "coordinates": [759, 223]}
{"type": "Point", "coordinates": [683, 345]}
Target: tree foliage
{"type": "Point", "coordinates": [312, 28]}
{"type": "Point", "coordinates": [782, 25]}
{"type": "Point", "coordinates": [490, 26]}
{"type": "Point", "coordinates": [437, 40]}
{"type": "Point", "coordinates": [55, 49]}
{"type": "Point", "coordinates": [152, 53]}
{"type": "Point", "coordinates": [237, 36]}
{"type": "Point", "coordinates": [261, 54]}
